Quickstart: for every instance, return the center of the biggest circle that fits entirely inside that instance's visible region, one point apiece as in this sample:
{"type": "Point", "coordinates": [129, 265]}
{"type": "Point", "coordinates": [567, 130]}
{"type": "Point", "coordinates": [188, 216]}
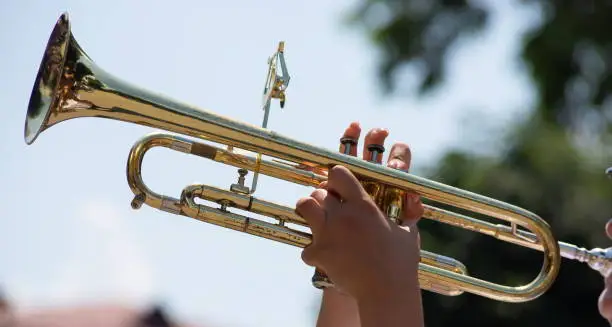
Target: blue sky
{"type": "Point", "coordinates": [67, 232]}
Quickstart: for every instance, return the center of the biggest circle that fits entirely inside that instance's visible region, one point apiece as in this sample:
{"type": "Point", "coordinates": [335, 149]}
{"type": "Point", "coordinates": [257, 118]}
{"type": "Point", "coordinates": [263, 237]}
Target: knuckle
{"type": "Point", "coordinates": [336, 170]}
{"type": "Point", "coordinates": [306, 255]}
{"type": "Point", "coordinates": [320, 192]}
{"type": "Point", "coordinates": [310, 254]}
{"type": "Point", "coordinates": [414, 210]}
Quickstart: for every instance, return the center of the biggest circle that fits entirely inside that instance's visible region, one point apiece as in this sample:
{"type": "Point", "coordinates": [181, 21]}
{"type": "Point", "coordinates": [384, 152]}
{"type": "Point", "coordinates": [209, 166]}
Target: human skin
{"type": "Point", "coordinates": [374, 267]}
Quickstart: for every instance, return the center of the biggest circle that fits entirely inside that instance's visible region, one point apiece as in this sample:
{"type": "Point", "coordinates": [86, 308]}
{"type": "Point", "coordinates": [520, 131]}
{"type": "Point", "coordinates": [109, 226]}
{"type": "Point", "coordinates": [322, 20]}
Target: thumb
{"type": "Point", "coordinates": [344, 183]}
{"type": "Point", "coordinates": [309, 255]}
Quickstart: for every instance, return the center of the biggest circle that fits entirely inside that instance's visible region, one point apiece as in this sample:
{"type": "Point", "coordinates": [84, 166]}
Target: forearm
{"type": "Point", "coordinates": [403, 308]}
{"type": "Point", "coordinates": [396, 307]}
{"type": "Point", "coordinates": [338, 310]}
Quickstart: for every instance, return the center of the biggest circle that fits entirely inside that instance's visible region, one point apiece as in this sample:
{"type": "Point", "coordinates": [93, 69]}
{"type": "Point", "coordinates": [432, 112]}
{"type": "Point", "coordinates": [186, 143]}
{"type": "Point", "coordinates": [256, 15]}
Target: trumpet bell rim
{"type": "Point", "coordinates": [44, 95]}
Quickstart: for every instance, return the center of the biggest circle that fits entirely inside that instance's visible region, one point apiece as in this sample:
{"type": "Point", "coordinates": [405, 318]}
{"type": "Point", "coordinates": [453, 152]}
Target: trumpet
{"type": "Point", "coordinates": [70, 85]}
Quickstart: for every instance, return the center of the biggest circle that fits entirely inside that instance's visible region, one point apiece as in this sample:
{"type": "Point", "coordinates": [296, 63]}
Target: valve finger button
{"type": "Point", "coordinates": [320, 280]}
{"type": "Point", "coordinates": [376, 151]}
{"type": "Point", "coordinates": [348, 143]}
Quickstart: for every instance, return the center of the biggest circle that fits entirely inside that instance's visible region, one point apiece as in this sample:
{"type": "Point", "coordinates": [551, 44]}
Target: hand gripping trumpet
{"type": "Point", "coordinates": [70, 85]}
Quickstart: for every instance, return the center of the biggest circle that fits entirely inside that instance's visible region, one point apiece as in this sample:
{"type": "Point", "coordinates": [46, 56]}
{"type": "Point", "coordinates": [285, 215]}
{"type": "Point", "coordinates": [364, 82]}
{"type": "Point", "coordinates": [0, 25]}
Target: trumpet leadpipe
{"type": "Point", "coordinates": [597, 259]}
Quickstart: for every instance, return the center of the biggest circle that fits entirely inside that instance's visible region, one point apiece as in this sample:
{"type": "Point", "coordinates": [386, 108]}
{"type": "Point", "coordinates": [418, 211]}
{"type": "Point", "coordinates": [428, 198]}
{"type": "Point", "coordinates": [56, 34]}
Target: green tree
{"type": "Point", "coordinates": [545, 166]}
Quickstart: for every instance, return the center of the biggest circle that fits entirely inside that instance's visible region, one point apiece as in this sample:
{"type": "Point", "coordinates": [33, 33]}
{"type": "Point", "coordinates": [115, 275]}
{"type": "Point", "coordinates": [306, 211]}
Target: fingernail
{"type": "Point", "coordinates": [378, 130]}
{"type": "Point", "coordinates": [399, 152]}
{"type": "Point", "coordinates": [394, 164]}
{"type": "Point", "coordinates": [413, 198]}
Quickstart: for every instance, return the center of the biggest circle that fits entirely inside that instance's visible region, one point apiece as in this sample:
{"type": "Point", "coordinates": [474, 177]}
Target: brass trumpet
{"type": "Point", "coordinates": [70, 85]}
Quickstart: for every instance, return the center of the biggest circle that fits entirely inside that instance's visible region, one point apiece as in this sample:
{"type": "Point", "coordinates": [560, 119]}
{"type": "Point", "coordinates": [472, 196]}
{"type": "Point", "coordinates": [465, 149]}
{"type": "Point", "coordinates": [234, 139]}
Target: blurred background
{"type": "Point", "coordinates": [505, 98]}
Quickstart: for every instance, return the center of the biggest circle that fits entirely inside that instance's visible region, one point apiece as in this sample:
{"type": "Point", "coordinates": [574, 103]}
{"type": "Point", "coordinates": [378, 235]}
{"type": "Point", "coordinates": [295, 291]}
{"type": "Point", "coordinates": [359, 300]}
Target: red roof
{"type": "Point", "coordinates": [89, 316]}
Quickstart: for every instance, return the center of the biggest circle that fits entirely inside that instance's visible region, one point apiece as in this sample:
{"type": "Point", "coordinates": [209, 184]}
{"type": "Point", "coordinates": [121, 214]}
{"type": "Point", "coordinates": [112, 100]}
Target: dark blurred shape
{"type": "Point", "coordinates": [417, 32]}
{"type": "Point", "coordinates": [6, 314]}
{"type": "Point", "coordinates": [100, 315]}
{"type": "Point", "coordinates": [542, 171]}
{"type": "Point", "coordinates": [155, 317]}
{"type": "Point", "coordinates": [568, 55]}
{"type": "Point", "coordinates": [570, 59]}
{"type": "Point", "coordinates": [551, 162]}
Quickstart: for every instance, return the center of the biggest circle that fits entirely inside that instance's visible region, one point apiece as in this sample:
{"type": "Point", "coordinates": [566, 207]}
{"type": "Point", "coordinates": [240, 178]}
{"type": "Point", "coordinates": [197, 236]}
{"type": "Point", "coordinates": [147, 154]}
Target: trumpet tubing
{"type": "Point", "coordinates": [70, 85]}
{"type": "Point", "coordinates": [238, 197]}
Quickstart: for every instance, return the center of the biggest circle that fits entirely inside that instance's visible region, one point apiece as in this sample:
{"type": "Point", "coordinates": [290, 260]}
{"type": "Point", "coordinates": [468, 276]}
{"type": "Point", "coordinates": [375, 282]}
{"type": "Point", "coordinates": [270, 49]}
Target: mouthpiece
{"type": "Point", "coordinates": [598, 259]}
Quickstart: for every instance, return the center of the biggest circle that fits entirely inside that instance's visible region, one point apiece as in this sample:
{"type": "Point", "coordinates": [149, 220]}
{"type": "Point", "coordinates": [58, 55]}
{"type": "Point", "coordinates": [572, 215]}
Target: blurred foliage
{"type": "Point", "coordinates": [568, 54]}
{"type": "Point", "coordinates": [543, 172]}
{"type": "Point", "coordinates": [543, 167]}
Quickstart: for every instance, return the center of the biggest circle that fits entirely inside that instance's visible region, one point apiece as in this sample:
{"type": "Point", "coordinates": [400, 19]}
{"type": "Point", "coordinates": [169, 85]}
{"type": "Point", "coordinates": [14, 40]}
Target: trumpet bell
{"type": "Point", "coordinates": [43, 97]}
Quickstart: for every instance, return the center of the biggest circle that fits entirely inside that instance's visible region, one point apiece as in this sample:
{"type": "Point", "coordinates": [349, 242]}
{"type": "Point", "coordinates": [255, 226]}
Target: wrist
{"type": "Point", "coordinates": [337, 309]}
{"type": "Point", "coordinates": [397, 305]}
{"type": "Point", "coordinates": [335, 295]}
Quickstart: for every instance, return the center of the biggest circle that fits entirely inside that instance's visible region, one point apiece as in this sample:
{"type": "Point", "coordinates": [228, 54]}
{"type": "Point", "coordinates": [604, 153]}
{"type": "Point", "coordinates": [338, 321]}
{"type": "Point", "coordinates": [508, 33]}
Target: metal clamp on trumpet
{"type": "Point", "coordinates": [70, 85]}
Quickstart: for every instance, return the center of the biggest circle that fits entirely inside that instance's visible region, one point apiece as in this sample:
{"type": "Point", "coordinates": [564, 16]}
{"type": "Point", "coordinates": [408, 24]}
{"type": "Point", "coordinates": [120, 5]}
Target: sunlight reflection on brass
{"type": "Point", "coordinates": [70, 85]}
